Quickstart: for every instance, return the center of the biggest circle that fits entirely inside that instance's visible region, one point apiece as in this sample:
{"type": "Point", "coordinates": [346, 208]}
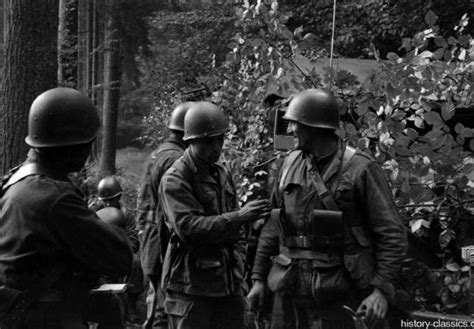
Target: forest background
{"type": "Point", "coordinates": [138, 59]}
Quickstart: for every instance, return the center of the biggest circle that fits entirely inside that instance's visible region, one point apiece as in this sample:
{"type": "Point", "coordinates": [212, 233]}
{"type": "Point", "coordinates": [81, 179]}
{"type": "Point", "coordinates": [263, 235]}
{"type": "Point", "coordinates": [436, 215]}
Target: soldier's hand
{"type": "Point", "coordinates": [256, 296]}
{"type": "Point", "coordinates": [375, 307]}
{"type": "Point", "coordinates": [255, 210]}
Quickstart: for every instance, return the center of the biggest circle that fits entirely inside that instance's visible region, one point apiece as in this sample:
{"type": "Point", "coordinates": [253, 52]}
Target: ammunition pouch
{"type": "Point", "coordinates": [327, 232]}
{"type": "Point", "coordinates": [15, 306]}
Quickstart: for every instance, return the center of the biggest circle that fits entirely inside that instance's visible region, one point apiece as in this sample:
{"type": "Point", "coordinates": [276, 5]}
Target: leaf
{"type": "Point", "coordinates": [363, 107]}
{"type": "Point", "coordinates": [453, 267]}
{"type": "Point", "coordinates": [465, 268]}
{"type": "Point", "coordinates": [444, 239]}
{"type": "Point", "coordinates": [441, 42]}
{"type": "Point", "coordinates": [274, 5]}
{"type": "Point", "coordinates": [392, 57]}
{"type": "Point", "coordinates": [433, 118]}
{"type": "Point", "coordinates": [298, 31]}
{"type": "Point", "coordinates": [455, 288]}
{"type": "Point", "coordinates": [430, 18]}
{"type": "Point", "coordinates": [458, 128]}
{"type": "Point", "coordinates": [426, 54]}
{"type": "Point", "coordinates": [439, 53]}
{"type": "Point", "coordinates": [286, 32]}
{"type": "Point", "coordinates": [447, 110]}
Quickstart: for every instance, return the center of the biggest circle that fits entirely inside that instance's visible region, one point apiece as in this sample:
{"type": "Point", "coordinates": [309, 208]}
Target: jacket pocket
{"type": "Point", "coordinates": [178, 307]}
{"type": "Point", "coordinates": [360, 262]}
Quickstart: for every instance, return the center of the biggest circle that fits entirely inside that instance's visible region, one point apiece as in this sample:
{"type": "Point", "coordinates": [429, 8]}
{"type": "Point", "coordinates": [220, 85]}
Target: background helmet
{"type": "Point", "coordinates": [112, 216]}
{"type": "Point", "coordinates": [315, 108]}
{"type": "Point", "coordinates": [177, 117]}
{"type": "Point", "coordinates": [109, 188]}
{"type": "Point", "coordinates": [61, 117]}
{"type": "Point", "coordinates": [204, 119]}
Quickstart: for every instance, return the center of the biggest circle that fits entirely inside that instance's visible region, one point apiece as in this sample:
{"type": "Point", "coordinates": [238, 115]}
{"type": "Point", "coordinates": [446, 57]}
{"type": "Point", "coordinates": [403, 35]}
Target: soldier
{"type": "Point", "coordinates": [51, 242]}
{"type": "Point", "coordinates": [110, 193]}
{"type": "Point", "coordinates": [154, 234]}
{"type": "Point", "coordinates": [202, 271]}
{"type": "Point", "coordinates": [335, 237]}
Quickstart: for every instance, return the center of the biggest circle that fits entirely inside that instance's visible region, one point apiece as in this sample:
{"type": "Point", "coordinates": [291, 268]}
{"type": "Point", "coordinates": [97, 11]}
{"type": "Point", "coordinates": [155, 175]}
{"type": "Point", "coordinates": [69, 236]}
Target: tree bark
{"type": "Point", "coordinates": [68, 43]}
{"type": "Point", "coordinates": [112, 91]}
{"type": "Point", "coordinates": [30, 68]}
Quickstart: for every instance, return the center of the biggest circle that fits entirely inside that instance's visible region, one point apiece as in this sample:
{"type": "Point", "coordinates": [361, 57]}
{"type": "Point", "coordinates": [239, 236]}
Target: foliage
{"type": "Point", "coordinates": [405, 120]}
{"type": "Point", "coordinates": [404, 117]}
{"type": "Point", "coordinates": [381, 25]}
{"type": "Point", "coordinates": [445, 290]}
{"type": "Point", "coordinates": [188, 42]}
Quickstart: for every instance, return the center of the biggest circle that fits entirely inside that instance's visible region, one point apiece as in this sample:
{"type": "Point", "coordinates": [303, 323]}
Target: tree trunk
{"type": "Point", "coordinates": [68, 43]}
{"type": "Point", "coordinates": [30, 68]}
{"type": "Point", "coordinates": [111, 92]}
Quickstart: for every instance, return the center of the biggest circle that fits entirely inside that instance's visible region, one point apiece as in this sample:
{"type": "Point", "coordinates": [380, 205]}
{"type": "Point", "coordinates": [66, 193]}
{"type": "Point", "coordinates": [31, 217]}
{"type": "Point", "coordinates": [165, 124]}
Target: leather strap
{"type": "Point", "coordinates": [26, 170]}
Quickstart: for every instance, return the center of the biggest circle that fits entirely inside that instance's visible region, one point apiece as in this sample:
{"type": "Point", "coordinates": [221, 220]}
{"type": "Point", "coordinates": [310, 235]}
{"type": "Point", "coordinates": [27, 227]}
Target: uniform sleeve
{"type": "Point", "coordinates": [187, 217]}
{"type": "Point", "coordinates": [143, 198]}
{"type": "Point", "coordinates": [93, 244]}
{"type": "Point", "coordinates": [387, 230]}
{"type": "Point", "coordinates": [268, 241]}
{"type": "Point", "coordinates": [132, 232]}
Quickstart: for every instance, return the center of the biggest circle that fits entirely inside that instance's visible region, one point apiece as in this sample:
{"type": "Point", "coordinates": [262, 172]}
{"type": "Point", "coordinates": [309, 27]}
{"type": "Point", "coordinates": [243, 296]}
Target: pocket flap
{"type": "Point", "coordinates": [282, 259]}
{"type": "Point", "coordinates": [177, 307]}
{"type": "Point", "coordinates": [361, 235]}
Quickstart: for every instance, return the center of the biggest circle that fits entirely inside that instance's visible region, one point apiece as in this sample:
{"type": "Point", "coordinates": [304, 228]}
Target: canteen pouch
{"type": "Point", "coordinates": [14, 307]}
{"type": "Point", "coordinates": [283, 274]}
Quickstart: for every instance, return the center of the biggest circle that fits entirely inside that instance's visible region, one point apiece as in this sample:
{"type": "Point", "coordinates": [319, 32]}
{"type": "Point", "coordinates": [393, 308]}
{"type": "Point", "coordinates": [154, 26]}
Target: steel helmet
{"type": "Point", "coordinates": [61, 117]}
{"type": "Point", "coordinates": [315, 108]}
{"type": "Point", "coordinates": [109, 188]}
{"type": "Point", "coordinates": [177, 117]}
{"type": "Point", "coordinates": [112, 215]}
{"type": "Point", "coordinates": [204, 119]}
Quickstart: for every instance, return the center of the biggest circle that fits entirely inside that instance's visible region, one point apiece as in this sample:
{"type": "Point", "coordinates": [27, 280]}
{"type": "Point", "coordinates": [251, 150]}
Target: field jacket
{"type": "Point", "coordinates": [149, 217]}
{"type": "Point", "coordinates": [374, 240]}
{"type": "Point", "coordinates": [205, 255]}
{"type": "Point", "coordinates": [45, 223]}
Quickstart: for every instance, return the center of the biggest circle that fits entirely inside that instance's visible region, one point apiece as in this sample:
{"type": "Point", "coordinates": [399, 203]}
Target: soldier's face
{"type": "Point", "coordinates": [303, 136]}
{"type": "Point", "coordinates": [208, 149]}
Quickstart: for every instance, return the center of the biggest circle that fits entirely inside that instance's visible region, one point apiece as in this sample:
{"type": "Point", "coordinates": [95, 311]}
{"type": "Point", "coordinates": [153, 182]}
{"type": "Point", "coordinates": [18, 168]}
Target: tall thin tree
{"type": "Point", "coordinates": [112, 89]}
{"type": "Point", "coordinates": [68, 43]}
{"type": "Point", "coordinates": [31, 34]}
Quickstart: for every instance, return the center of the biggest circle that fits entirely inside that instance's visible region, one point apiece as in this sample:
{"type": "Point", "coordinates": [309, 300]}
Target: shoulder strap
{"type": "Point", "coordinates": [285, 167]}
{"type": "Point", "coordinates": [323, 192]}
{"type": "Point", "coordinates": [22, 172]}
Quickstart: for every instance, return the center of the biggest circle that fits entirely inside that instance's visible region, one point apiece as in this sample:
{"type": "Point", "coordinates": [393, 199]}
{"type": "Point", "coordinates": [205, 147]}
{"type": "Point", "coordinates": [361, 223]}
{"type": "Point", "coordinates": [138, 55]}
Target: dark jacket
{"type": "Point", "coordinates": [45, 223]}
{"type": "Point", "coordinates": [374, 240]}
{"type": "Point", "coordinates": [149, 217]}
{"type": "Point", "coordinates": [205, 256]}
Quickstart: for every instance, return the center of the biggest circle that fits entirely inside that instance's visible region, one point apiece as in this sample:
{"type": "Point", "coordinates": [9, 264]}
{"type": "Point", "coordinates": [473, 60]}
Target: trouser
{"type": "Point", "coordinates": [156, 316]}
{"type": "Point", "coordinates": [200, 312]}
{"type": "Point", "coordinates": [296, 312]}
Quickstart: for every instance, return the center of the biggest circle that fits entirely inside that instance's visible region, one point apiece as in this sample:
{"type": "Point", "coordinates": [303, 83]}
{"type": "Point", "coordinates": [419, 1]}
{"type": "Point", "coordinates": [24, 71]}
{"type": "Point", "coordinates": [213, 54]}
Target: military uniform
{"type": "Point", "coordinates": [154, 233]}
{"type": "Point", "coordinates": [202, 272]}
{"type": "Point", "coordinates": [47, 230]}
{"type": "Point", "coordinates": [365, 253]}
